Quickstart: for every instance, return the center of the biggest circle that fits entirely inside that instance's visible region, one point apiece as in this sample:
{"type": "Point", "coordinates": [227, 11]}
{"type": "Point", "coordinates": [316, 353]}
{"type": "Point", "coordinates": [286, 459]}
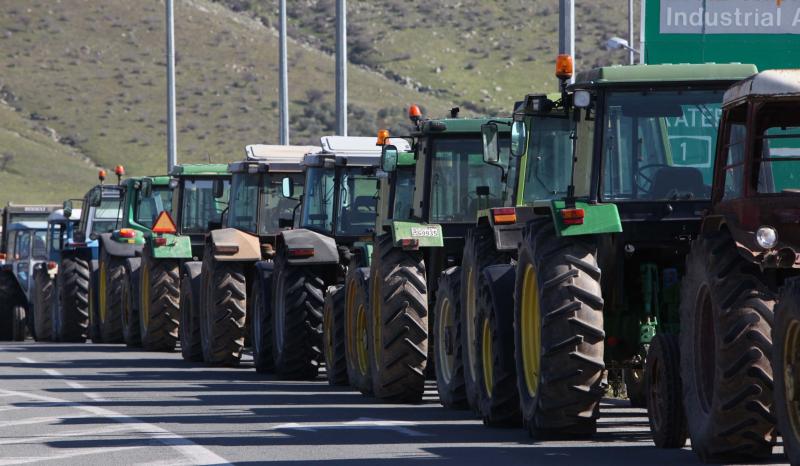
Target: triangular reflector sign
{"type": "Point", "coordinates": [164, 224]}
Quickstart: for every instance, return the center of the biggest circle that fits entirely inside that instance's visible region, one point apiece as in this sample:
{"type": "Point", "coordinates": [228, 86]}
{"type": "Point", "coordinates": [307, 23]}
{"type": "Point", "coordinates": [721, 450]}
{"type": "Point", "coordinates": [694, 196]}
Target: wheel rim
{"type": "Point", "coordinates": [791, 358]}
{"type": "Point", "coordinates": [376, 321]}
{"type": "Point", "coordinates": [469, 308]}
{"type": "Point", "coordinates": [705, 349]}
{"type": "Point", "coordinates": [487, 357]}
{"type": "Point", "coordinates": [445, 361]}
{"type": "Point", "coordinates": [279, 313]}
{"type": "Point", "coordinates": [327, 333]}
{"type": "Point", "coordinates": [144, 304]}
{"type": "Point", "coordinates": [101, 312]}
{"type": "Point", "coordinates": [362, 339]}
{"type": "Point", "coordinates": [531, 330]}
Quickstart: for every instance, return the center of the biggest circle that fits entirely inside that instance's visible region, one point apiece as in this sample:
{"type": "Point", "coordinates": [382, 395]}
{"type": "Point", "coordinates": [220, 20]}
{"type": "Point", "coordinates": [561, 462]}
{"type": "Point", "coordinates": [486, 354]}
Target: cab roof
{"type": "Point", "coordinates": [30, 208]}
{"type": "Point", "coordinates": [58, 216]}
{"type": "Point", "coordinates": [27, 226]}
{"type": "Point", "coordinates": [196, 169]}
{"type": "Point", "coordinates": [461, 125]}
{"type": "Point", "coordinates": [273, 157]}
{"type": "Point", "coordinates": [349, 150]}
{"type": "Point", "coordinates": [633, 74]}
{"type": "Point", "coordinates": [768, 83]}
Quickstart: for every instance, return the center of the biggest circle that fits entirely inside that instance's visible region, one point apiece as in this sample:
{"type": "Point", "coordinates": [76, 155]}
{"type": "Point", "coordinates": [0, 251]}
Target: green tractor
{"type": "Point", "coordinates": [144, 199]}
{"type": "Point", "coordinates": [240, 253]}
{"type": "Point", "coordinates": [298, 294]}
{"type": "Point", "coordinates": [598, 271]}
{"type": "Point", "coordinates": [427, 207]}
{"type": "Point", "coordinates": [151, 297]}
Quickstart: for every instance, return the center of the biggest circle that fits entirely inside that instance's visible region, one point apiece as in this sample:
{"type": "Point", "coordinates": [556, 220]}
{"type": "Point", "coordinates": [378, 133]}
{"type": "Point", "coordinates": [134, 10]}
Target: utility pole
{"type": "Point", "coordinates": [283, 85]}
{"type": "Point", "coordinates": [641, 32]}
{"type": "Point", "coordinates": [172, 151]}
{"type": "Point", "coordinates": [566, 30]}
{"type": "Point", "coordinates": [341, 67]}
{"type": "Point", "coordinates": [631, 58]}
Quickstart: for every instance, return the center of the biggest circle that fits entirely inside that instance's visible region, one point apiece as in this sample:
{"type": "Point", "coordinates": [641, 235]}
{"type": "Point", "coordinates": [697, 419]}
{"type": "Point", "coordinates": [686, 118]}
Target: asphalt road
{"type": "Point", "coordinates": [105, 404]}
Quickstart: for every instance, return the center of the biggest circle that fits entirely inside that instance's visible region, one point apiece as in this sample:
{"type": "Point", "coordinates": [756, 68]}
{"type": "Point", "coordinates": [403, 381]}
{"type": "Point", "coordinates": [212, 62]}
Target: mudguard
{"type": "Point", "coordinates": [325, 251]}
{"type": "Point", "coordinates": [177, 247]}
{"type": "Point", "coordinates": [232, 245]}
{"type": "Point", "coordinates": [598, 219]}
{"type": "Point", "coordinates": [427, 235]}
{"type": "Point", "coordinates": [118, 249]}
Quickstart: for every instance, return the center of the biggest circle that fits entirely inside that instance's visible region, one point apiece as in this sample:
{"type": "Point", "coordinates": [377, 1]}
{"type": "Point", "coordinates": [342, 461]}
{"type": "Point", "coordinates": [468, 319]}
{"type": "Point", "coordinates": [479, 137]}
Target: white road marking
{"type": "Point", "coordinates": [360, 423]}
{"type": "Point", "coordinates": [52, 372]}
{"type": "Point", "coordinates": [195, 453]}
{"type": "Point", "coordinates": [81, 433]}
{"type": "Point", "coordinates": [27, 360]}
{"type": "Point", "coordinates": [41, 420]}
{"type": "Point", "coordinates": [62, 456]}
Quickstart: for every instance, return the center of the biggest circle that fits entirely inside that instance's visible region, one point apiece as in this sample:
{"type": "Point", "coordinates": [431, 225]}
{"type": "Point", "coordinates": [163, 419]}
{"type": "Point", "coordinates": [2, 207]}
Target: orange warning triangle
{"type": "Point", "coordinates": [164, 224]}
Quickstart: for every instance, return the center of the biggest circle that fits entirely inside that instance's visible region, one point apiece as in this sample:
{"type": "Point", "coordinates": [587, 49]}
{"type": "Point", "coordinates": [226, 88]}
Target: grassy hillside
{"type": "Point", "coordinates": [83, 81]}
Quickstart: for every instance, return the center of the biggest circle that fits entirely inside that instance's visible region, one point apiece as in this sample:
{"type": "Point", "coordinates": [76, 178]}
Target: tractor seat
{"type": "Point", "coordinates": [670, 180]}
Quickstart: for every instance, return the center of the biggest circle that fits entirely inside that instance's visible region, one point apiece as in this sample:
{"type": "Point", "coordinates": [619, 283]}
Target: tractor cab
{"type": "Point", "coordinates": [61, 226]}
{"type": "Point", "coordinates": [200, 198]}
{"type": "Point", "coordinates": [757, 183]}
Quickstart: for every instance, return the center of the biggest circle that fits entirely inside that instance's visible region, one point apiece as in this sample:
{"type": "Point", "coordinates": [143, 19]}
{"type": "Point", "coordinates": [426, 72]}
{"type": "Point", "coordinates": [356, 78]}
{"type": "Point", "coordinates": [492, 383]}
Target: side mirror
{"type": "Point", "coordinates": [67, 209]}
{"type": "Point", "coordinates": [389, 158]}
{"type": "Point", "coordinates": [491, 149]}
{"type": "Point", "coordinates": [146, 187]}
{"type": "Point", "coordinates": [582, 99]}
{"type": "Point", "coordinates": [218, 188]}
{"type": "Point", "coordinates": [519, 137]}
{"type": "Point", "coordinates": [287, 187]}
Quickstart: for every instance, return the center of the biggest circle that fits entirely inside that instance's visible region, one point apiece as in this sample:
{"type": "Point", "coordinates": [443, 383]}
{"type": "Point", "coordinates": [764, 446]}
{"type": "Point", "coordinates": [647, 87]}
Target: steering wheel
{"type": "Point", "coordinates": [641, 176]}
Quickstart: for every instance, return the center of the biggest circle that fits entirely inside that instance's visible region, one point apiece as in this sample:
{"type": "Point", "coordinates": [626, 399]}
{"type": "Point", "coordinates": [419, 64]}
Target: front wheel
{"type": "Point", "coordinates": [786, 360]}
{"type": "Point", "coordinates": [357, 329]}
{"type": "Point", "coordinates": [333, 336]}
{"type": "Point", "coordinates": [112, 274]}
{"type": "Point", "coordinates": [73, 295]}
{"type": "Point", "coordinates": [446, 347]}
{"type": "Point", "coordinates": [42, 305]}
{"type": "Point", "coordinates": [130, 304]}
{"type": "Point", "coordinates": [191, 344]}
{"type": "Point", "coordinates": [261, 328]}
{"type": "Point", "coordinates": [663, 392]}
{"type": "Point", "coordinates": [18, 326]}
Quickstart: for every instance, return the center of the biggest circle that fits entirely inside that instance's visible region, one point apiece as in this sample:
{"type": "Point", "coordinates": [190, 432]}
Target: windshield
{"type": "Point", "coordinates": [548, 162]}
{"type": "Point", "coordinates": [659, 145]}
{"type": "Point", "coordinates": [244, 202]}
{"type": "Point", "coordinates": [778, 143]}
{"type": "Point", "coordinates": [457, 171]}
{"type": "Point", "coordinates": [106, 216]}
{"type": "Point", "coordinates": [403, 184]}
{"type": "Point", "coordinates": [199, 207]}
{"type": "Point", "coordinates": [318, 201]}
{"type": "Point", "coordinates": [275, 206]}
{"type": "Point", "coordinates": [40, 245]}
{"type": "Point", "coordinates": [357, 203]}
{"type": "Point", "coordinates": [149, 207]}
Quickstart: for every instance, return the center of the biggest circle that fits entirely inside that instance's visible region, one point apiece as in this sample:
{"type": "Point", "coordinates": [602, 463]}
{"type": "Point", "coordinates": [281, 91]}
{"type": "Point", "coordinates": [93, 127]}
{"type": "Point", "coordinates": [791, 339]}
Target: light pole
{"type": "Point", "coordinates": [341, 67]}
{"type": "Point", "coordinates": [283, 85]}
{"type": "Point", "coordinates": [172, 152]}
{"type": "Point", "coordinates": [566, 30]}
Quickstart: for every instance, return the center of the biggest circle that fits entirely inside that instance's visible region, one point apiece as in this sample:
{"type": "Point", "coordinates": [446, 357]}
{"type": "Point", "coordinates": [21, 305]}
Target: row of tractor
{"type": "Point", "coordinates": [637, 232]}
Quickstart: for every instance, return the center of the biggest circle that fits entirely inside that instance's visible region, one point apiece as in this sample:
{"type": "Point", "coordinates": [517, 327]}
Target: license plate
{"type": "Point", "coordinates": [425, 232]}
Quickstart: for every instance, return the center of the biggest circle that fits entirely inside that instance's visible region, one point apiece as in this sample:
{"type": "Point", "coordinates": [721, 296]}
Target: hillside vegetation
{"type": "Point", "coordinates": [83, 81]}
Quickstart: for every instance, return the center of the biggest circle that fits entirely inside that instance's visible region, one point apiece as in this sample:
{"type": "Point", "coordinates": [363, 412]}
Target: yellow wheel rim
{"type": "Point", "coordinates": [469, 311]}
{"type": "Point", "coordinates": [102, 310]}
{"type": "Point", "coordinates": [791, 384]}
{"type": "Point", "coordinates": [144, 285]}
{"type": "Point", "coordinates": [444, 321]}
{"type": "Point", "coordinates": [377, 344]}
{"type": "Point", "coordinates": [531, 330]}
{"type": "Point", "coordinates": [362, 340]}
{"type": "Point", "coordinates": [487, 357]}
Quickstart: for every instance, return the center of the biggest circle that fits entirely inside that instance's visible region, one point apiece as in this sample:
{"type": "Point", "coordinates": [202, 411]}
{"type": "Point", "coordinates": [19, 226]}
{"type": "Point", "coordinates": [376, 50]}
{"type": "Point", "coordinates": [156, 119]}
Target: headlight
{"type": "Point", "coordinates": [767, 237]}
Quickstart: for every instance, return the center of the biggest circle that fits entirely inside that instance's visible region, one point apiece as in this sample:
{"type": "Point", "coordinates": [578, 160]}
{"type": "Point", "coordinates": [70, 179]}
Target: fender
{"type": "Point", "coordinates": [598, 219]}
{"type": "Point", "coordinates": [118, 249]}
{"type": "Point", "coordinates": [177, 247]}
{"type": "Point", "coordinates": [324, 247]}
{"type": "Point", "coordinates": [508, 236]}
{"type": "Point", "coordinates": [232, 245]}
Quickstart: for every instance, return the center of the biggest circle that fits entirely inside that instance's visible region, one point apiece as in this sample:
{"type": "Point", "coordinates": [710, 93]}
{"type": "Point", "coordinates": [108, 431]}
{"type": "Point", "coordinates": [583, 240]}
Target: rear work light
{"type": "Point", "coordinates": [409, 244]}
{"type": "Point", "coordinates": [504, 215]}
{"type": "Point", "coordinates": [299, 253]}
{"type": "Point", "coordinates": [127, 233]}
{"type": "Point", "coordinates": [572, 216]}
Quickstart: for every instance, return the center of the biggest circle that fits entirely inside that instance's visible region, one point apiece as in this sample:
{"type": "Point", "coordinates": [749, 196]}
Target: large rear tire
{"type": "Point", "coordinates": [498, 396]}
{"type": "Point", "coordinates": [333, 336]}
{"type": "Point", "coordinates": [357, 329]}
{"type": "Point", "coordinates": [297, 301]}
{"type": "Point", "coordinates": [159, 298]}
{"type": "Point", "coordinates": [786, 361]}
{"type": "Point", "coordinates": [191, 343]}
{"type": "Point", "coordinates": [18, 326]}
{"type": "Point", "coordinates": [726, 322]}
{"type": "Point", "coordinates": [664, 393]}
{"type": "Point", "coordinates": [446, 345]}
{"type": "Point", "coordinates": [73, 290]}
{"type": "Point", "coordinates": [479, 252]}
{"type": "Point", "coordinates": [558, 332]}
{"type": "Point", "coordinates": [43, 305]}
{"type": "Point", "coordinates": [222, 311]}
{"type": "Point", "coordinates": [399, 300]}
{"type": "Point", "coordinates": [130, 304]}
{"type": "Point", "coordinates": [112, 275]}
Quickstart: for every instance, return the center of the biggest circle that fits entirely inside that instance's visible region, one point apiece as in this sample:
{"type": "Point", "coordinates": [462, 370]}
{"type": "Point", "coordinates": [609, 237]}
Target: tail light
{"type": "Point", "coordinates": [51, 265]}
{"type": "Point", "coordinates": [504, 215]}
{"type": "Point", "coordinates": [127, 233]}
{"type": "Point", "coordinates": [160, 241]}
{"type": "Point", "coordinates": [409, 244]}
{"type": "Point", "coordinates": [299, 253]}
{"type": "Point", "coordinates": [572, 216]}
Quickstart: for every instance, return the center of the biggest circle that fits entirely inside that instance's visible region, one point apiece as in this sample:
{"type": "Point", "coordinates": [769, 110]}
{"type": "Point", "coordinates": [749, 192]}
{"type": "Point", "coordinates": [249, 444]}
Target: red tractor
{"type": "Point", "coordinates": [740, 322]}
